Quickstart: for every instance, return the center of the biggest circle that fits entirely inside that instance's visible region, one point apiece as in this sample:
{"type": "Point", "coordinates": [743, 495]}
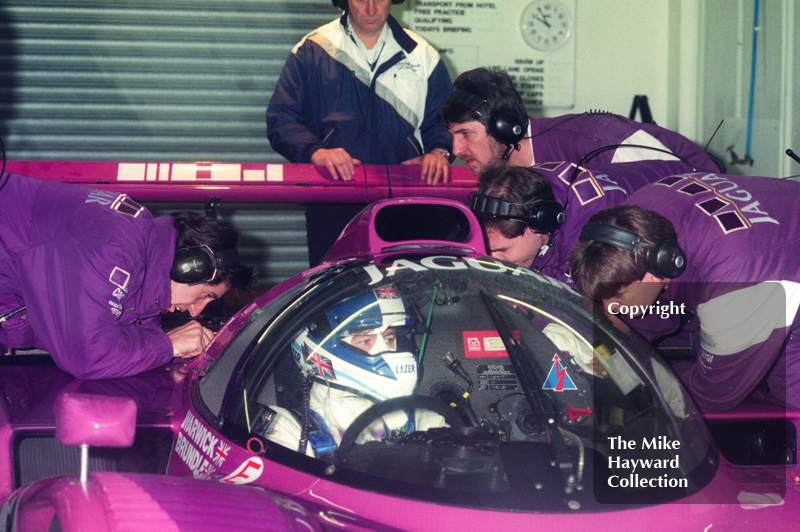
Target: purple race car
{"type": "Point", "coordinates": [409, 383]}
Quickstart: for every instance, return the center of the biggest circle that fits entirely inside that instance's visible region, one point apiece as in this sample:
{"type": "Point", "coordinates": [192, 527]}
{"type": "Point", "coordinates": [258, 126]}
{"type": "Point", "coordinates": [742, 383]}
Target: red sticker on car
{"type": "Point", "coordinates": [480, 344]}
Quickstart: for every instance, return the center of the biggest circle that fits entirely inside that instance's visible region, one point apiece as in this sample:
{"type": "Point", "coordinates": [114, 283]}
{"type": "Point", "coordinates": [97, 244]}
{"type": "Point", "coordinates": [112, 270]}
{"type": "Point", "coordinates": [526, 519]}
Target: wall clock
{"type": "Point", "coordinates": [546, 25]}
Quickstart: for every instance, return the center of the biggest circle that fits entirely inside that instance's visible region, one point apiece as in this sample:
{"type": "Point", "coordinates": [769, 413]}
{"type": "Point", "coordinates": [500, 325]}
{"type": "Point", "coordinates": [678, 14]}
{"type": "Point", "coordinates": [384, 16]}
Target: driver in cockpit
{"type": "Point", "coordinates": [357, 354]}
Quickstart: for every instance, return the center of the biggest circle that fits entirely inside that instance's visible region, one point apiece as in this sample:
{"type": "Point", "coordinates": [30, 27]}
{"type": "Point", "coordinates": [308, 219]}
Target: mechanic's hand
{"type": "Point", "coordinates": [435, 166]}
{"type": "Point", "coordinates": [189, 339]}
{"type": "Point", "coordinates": [337, 161]}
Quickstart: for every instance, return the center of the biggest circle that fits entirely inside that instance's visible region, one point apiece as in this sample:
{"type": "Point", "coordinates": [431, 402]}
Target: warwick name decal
{"type": "Point", "coordinates": [200, 450]}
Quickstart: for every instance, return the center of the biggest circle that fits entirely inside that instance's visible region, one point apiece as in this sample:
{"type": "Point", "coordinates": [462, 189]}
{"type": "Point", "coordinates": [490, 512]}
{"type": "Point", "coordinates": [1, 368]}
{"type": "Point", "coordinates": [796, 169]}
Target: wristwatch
{"type": "Point", "coordinates": [444, 152]}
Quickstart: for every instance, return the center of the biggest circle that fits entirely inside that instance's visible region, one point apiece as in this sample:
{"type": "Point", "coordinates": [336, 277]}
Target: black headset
{"type": "Point", "coordinates": [665, 260]}
{"type": "Point", "coordinates": [544, 216]}
{"type": "Point", "coordinates": [503, 125]}
{"type": "Point", "coordinates": [198, 264]}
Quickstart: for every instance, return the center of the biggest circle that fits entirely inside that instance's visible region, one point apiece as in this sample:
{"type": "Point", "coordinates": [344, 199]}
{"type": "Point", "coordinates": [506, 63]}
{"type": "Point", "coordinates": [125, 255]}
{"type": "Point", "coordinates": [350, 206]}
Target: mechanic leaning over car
{"type": "Point", "coordinates": [359, 353]}
{"type": "Point", "coordinates": [491, 127]}
{"type": "Point", "coordinates": [724, 247]}
{"type": "Point", "coordinates": [532, 216]}
{"type": "Point", "coordinates": [492, 133]}
{"type": "Point", "coordinates": [360, 89]}
{"type": "Point", "coordinates": [86, 274]}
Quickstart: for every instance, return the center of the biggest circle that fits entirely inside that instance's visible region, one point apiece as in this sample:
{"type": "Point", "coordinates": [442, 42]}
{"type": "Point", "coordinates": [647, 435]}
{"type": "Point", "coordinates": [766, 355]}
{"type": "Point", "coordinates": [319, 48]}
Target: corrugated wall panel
{"type": "Point", "coordinates": [145, 80]}
{"type": "Point", "coordinates": [156, 80]}
{"type": "Point", "coordinates": [273, 237]}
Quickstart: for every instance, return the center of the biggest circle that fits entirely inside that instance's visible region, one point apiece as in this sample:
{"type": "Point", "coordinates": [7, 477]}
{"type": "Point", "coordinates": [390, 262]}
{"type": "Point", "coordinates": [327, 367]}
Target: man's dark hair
{"type": "Point", "coordinates": [601, 270]}
{"type": "Point", "coordinates": [493, 85]}
{"type": "Point", "coordinates": [342, 4]}
{"type": "Point", "coordinates": [198, 230]}
{"type": "Point", "coordinates": [516, 184]}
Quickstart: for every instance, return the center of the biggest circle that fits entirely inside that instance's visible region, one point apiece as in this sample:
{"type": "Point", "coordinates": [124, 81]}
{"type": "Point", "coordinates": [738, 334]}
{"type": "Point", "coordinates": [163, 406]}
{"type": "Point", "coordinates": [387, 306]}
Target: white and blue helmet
{"type": "Point", "coordinates": [384, 367]}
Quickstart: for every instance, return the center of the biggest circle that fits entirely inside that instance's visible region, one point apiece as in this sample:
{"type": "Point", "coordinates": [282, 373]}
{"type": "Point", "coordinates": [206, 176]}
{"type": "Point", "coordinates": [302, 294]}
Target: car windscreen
{"type": "Point", "coordinates": [466, 381]}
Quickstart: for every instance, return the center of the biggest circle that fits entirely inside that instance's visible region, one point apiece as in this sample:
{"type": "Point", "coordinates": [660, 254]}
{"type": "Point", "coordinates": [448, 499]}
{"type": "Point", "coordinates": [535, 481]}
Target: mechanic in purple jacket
{"type": "Point", "coordinates": [532, 216]}
{"type": "Point", "coordinates": [723, 247]}
{"type": "Point", "coordinates": [492, 132]}
{"type": "Point", "coordinates": [491, 127]}
{"type": "Point", "coordinates": [86, 274]}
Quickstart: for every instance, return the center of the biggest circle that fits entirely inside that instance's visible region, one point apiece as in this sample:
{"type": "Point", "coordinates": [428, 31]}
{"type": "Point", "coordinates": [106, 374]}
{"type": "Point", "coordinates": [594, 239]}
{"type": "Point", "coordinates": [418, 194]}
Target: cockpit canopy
{"type": "Point", "coordinates": [530, 394]}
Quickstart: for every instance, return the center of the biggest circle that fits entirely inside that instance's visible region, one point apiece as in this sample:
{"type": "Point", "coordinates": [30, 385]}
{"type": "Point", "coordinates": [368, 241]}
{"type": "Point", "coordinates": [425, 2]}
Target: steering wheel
{"type": "Point", "coordinates": [406, 402]}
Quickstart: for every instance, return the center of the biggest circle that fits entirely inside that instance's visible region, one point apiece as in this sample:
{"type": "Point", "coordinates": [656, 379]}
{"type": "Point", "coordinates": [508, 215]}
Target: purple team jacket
{"type": "Point", "coordinates": [593, 188]}
{"type": "Point", "coordinates": [571, 137]}
{"type": "Point", "coordinates": [92, 268]}
{"type": "Point", "coordinates": [741, 236]}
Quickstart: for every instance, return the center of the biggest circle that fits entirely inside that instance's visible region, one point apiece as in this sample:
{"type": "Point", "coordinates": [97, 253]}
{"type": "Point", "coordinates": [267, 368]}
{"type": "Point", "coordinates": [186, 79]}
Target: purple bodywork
{"type": "Point", "coordinates": [214, 483]}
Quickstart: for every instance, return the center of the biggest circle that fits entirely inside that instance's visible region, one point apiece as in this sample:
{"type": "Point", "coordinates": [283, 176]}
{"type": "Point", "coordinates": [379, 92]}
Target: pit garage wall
{"type": "Point", "coordinates": [189, 80]}
{"type": "Point", "coordinates": [691, 58]}
{"type": "Point", "coordinates": [622, 48]}
{"type": "Point", "coordinates": [724, 81]}
{"type": "Point", "coordinates": [156, 81]}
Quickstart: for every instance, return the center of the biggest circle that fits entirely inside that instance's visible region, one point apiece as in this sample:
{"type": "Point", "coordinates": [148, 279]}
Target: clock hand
{"type": "Point", "coordinates": [542, 17]}
{"type": "Point", "coordinates": [543, 21]}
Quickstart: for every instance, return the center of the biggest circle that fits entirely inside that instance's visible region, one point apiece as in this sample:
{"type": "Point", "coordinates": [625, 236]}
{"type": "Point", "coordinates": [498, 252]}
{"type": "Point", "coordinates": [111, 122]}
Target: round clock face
{"type": "Point", "coordinates": [546, 24]}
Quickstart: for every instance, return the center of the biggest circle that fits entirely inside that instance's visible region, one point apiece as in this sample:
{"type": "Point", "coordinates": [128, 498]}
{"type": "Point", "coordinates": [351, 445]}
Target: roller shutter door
{"type": "Point", "coordinates": [156, 80]}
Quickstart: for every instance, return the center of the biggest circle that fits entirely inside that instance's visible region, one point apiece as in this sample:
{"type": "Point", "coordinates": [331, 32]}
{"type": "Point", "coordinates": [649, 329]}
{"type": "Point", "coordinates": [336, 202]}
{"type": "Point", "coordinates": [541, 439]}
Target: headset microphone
{"type": "Point", "coordinates": [507, 153]}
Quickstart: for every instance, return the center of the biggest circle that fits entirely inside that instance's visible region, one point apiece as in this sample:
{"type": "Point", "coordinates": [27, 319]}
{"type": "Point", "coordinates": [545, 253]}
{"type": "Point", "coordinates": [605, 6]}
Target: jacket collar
{"type": "Point", "coordinates": [398, 32]}
{"type": "Point", "coordinates": [157, 289]}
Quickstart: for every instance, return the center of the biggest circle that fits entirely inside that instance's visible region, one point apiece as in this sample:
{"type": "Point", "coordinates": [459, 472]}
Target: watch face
{"type": "Point", "coordinates": [546, 24]}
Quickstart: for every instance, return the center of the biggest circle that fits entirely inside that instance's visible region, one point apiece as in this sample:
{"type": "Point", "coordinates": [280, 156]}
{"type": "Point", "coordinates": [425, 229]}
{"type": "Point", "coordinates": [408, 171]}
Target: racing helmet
{"type": "Point", "coordinates": [364, 345]}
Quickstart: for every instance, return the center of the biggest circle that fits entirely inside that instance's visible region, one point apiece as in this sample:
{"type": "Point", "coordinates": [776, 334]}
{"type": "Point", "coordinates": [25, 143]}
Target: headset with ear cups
{"type": "Point", "coordinates": [198, 264]}
{"type": "Point", "coordinates": [666, 260]}
{"type": "Point", "coordinates": [504, 126]}
{"type": "Point", "coordinates": [545, 216]}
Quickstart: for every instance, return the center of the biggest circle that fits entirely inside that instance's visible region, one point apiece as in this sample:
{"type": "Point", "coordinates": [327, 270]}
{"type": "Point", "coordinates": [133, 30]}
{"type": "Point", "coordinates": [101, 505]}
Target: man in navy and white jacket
{"type": "Point", "coordinates": [360, 90]}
